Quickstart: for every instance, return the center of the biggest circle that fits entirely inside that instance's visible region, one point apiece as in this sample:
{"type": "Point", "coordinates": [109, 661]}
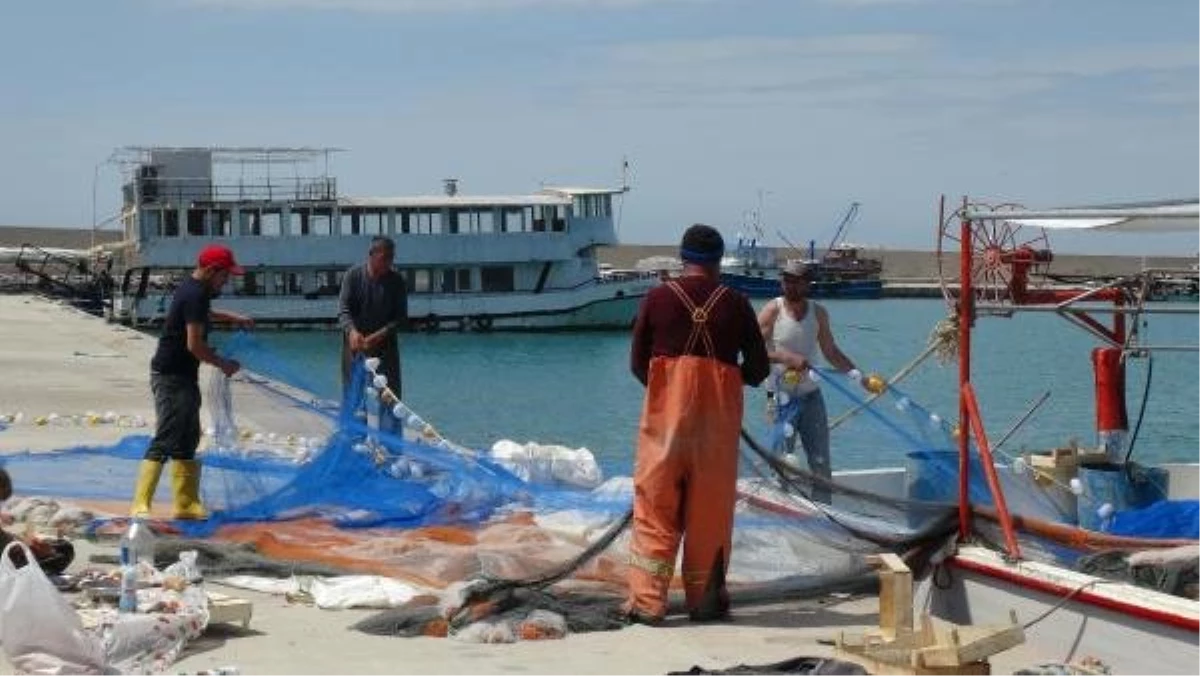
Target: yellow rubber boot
{"type": "Point", "coordinates": [147, 483]}
{"type": "Point", "coordinates": [185, 483]}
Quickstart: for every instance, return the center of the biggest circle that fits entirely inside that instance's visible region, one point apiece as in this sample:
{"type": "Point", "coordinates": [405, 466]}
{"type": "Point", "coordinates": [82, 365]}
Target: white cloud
{"type": "Point", "coordinates": [904, 69]}
{"type": "Point", "coordinates": [743, 48]}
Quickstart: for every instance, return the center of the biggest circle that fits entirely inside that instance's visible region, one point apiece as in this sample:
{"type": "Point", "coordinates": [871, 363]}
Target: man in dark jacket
{"type": "Point", "coordinates": [372, 309]}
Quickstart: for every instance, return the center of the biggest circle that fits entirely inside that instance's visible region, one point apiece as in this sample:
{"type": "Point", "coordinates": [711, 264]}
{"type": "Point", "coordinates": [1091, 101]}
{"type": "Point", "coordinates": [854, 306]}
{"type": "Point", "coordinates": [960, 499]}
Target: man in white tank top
{"type": "Point", "coordinates": [794, 327]}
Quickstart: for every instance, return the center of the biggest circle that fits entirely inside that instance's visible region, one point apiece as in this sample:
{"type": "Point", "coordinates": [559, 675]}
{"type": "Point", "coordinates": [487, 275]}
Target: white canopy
{"type": "Point", "coordinates": [1172, 216]}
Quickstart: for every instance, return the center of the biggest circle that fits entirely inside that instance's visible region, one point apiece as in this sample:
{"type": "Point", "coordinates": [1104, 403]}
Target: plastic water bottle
{"type": "Point", "coordinates": [137, 545]}
{"type": "Point", "coordinates": [139, 539]}
{"type": "Point", "coordinates": [127, 603]}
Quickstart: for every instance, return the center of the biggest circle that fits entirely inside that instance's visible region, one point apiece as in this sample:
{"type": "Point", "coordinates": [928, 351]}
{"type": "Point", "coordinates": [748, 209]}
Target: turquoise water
{"type": "Point", "coordinates": [576, 389]}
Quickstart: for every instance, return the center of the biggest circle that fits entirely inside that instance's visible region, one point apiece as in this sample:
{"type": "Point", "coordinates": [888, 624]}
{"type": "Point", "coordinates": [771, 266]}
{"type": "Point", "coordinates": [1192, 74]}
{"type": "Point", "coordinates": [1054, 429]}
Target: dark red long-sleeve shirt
{"type": "Point", "coordinates": [664, 324]}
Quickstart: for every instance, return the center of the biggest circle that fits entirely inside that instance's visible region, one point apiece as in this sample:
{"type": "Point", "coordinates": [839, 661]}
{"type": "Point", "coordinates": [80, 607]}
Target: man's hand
{"type": "Point", "coordinates": [356, 341]}
{"type": "Point", "coordinates": [245, 322]}
{"type": "Point", "coordinates": [230, 367]}
{"type": "Point", "coordinates": [797, 362]}
{"type": "Point", "coordinates": [374, 340]}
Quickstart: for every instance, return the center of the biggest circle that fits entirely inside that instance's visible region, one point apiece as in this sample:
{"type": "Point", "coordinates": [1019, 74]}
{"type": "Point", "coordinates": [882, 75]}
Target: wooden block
{"type": "Point", "coordinates": [967, 644]}
{"type": "Point", "coordinates": [895, 595]}
{"type": "Point", "coordinates": [224, 609]}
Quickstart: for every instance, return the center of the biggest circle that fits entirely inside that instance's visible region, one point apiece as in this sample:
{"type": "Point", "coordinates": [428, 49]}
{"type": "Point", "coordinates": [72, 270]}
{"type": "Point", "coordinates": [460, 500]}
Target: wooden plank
{"type": "Point", "coordinates": [895, 594]}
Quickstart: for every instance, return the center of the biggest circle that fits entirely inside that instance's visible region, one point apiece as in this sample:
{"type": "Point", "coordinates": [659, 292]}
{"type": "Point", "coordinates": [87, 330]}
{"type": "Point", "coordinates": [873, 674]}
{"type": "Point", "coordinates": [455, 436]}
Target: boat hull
{"type": "Point", "coordinates": [1131, 630]}
{"type": "Point", "coordinates": [768, 287]}
{"type": "Point", "coordinates": [598, 306]}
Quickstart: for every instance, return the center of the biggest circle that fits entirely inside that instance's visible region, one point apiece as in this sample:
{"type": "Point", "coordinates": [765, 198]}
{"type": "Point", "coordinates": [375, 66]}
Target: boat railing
{"type": "Point", "coordinates": [204, 191]}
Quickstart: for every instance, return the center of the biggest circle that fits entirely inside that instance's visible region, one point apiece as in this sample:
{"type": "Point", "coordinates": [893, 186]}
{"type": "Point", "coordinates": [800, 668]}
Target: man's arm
{"type": "Point", "coordinates": [829, 347]}
{"type": "Point", "coordinates": [346, 298]}
{"type": "Point", "coordinates": [766, 325]}
{"type": "Point", "coordinates": [346, 303]}
{"type": "Point", "coordinates": [398, 317]}
{"type": "Point", "coordinates": [756, 363]}
{"type": "Point", "coordinates": [232, 318]}
{"type": "Point", "coordinates": [642, 344]}
{"type": "Point", "coordinates": [199, 347]}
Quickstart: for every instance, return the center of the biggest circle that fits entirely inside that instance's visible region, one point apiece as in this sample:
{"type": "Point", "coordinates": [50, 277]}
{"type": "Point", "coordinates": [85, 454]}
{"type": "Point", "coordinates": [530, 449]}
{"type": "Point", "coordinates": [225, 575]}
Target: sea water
{"type": "Point", "coordinates": [576, 389]}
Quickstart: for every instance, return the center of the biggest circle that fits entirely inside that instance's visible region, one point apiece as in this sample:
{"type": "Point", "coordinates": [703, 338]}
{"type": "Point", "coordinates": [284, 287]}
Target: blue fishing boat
{"type": "Point", "coordinates": [840, 272]}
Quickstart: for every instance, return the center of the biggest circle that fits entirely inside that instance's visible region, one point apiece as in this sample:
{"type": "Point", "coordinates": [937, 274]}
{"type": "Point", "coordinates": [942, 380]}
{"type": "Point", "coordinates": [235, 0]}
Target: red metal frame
{"type": "Point", "coordinates": [969, 420]}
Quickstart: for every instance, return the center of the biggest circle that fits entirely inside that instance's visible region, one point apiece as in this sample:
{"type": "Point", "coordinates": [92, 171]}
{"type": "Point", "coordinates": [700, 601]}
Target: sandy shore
{"type": "Point", "coordinates": [55, 359]}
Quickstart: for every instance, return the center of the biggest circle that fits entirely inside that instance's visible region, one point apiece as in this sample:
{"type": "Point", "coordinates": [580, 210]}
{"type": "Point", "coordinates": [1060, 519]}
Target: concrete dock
{"type": "Point", "coordinates": [58, 360]}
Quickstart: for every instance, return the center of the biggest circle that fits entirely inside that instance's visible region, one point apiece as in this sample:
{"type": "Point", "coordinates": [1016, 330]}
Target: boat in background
{"type": "Point", "coordinates": [840, 272]}
{"type": "Point", "coordinates": [509, 262]}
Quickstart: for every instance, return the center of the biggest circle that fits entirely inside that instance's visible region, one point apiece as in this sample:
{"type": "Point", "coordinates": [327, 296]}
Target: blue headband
{"type": "Point", "coordinates": [693, 256]}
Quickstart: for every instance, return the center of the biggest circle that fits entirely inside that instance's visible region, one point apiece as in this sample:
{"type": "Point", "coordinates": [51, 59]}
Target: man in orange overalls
{"type": "Point", "coordinates": [687, 340]}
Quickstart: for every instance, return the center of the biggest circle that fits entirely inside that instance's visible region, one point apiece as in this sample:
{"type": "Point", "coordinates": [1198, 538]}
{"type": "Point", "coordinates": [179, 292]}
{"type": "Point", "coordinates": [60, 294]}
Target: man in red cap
{"type": "Point", "coordinates": [174, 380]}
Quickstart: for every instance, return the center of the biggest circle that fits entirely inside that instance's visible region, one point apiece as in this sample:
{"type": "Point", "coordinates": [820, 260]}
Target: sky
{"type": "Point", "coordinates": [724, 109]}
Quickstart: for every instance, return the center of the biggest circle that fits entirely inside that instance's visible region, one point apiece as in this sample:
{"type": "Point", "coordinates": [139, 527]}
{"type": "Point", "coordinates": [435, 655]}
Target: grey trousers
{"type": "Point", "coordinates": [177, 407]}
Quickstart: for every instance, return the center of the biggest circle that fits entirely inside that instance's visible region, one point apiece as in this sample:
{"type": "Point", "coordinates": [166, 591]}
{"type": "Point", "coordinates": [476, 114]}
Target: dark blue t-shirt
{"type": "Point", "coordinates": [189, 304]}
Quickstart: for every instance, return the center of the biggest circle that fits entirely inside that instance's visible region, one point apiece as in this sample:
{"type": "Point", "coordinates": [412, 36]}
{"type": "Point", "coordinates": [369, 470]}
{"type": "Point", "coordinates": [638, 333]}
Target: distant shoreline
{"type": "Point", "coordinates": [898, 264]}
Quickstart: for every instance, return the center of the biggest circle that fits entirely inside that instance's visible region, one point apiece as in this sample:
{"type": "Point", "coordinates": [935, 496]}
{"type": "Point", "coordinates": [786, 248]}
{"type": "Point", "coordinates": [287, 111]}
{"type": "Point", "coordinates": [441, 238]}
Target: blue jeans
{"type": "Point", "coordinates": [806, 413]}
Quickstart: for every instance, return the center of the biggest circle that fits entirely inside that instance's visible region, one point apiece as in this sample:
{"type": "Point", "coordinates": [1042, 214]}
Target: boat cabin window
{"type": "Point", "coordinates": [219, 222]}
{"type": "Point", "coordinates": [592, 206]}
{"type": "Point", "coordinates": [195, 222]}
{"type": "Point", "coordinates": [321, 222]}
{"type": "Point", "coordinates": [251, 222]}
{"type": "Point", "coordinates": [427, 222]}
{"type": "Point", "coordinates": [549, 217]}
{"type": "Point", "coordinates": [170, 223]}
{"type": "Point", "coordinates": [249, 284]}
{"type": "Point", "coordinates": [515, 219]}
{"type": "Point", "coordinates": [329, 282]}
{"type": "Point", "coordinates": [497, 278]}
{"type": "Point", "coordinates": [456, 280]}
{"type": "Point", "coordinates": [372, 223]}
{"type": "Point", "coordinates": [471, 221]}
{"type": "Point", "coordinates": [271, 223]}
{"type": "Point", "coordinates": [418, 280]}
{"type": "Point", "coordinates": [299, 224]}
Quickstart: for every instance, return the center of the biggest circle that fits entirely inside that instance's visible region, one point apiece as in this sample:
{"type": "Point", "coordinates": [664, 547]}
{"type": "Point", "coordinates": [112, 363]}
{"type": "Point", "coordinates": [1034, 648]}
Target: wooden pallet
{"type": "Point", "coordinates": [935, 648]}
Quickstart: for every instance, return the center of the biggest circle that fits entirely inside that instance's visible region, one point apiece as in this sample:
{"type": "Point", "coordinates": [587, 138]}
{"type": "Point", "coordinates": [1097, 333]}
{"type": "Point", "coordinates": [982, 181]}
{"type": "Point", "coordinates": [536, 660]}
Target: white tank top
{"type": "Point", "coordinates": [798, 336]}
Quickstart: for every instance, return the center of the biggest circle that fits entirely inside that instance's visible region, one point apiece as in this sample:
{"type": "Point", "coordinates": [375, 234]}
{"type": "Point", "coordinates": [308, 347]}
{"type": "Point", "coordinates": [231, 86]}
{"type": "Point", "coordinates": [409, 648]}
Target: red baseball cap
{"type": "Point", "coordinates": [220, 257]}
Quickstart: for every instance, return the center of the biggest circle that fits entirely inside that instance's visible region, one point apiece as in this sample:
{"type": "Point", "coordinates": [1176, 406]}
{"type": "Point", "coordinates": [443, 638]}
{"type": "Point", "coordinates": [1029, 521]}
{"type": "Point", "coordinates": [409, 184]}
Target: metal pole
{"type": "Point", "coordinates": [1094, 307]}
{"type": "Point", "coordinates": [95, 179]}
{"type": "Point", "coordinates": [989, 471]}
{"type": "Point", "coordinates": [965, 316]}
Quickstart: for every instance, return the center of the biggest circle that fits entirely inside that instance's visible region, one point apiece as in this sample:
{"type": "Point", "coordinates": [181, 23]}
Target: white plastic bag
{"type": "Point", "coordinates": [39, 631]}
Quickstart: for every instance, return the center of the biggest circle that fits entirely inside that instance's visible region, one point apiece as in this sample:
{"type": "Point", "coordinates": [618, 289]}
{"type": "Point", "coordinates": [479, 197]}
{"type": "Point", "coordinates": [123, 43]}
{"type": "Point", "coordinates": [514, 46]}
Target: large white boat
{"type": "Point", "coordinates": [512, 262]}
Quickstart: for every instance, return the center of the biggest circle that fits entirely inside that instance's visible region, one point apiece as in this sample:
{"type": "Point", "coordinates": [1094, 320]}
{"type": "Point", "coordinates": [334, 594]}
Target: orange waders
{"type": "Point", "coordinates": [686, 476]}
